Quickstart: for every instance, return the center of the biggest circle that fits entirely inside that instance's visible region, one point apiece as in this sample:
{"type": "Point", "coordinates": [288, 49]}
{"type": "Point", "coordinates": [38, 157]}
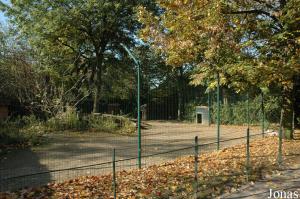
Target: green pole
{"type": "Point", "coordinates": [280, 146]}
{"type": "Point", "coordinates": [248, 154]}
{"type": "Point", "coordinates": [248, 138]}
{"type": "Point", "coordinates": [139, 120]}
{"type": "Point", "coordinates": [138, 106]}
{"type": "Point", "coordinates": [218, 112]}
{"type": "Point", "coordinates": [114, 174]}
{"type": "Point", "coordinates": [263, 115]}
{"type": "Point", "coordinates": [248, 112]}
{"type": "Point", "coordinates": [196, 166]}
{"type": "Point", "coordinates": [208, 102]}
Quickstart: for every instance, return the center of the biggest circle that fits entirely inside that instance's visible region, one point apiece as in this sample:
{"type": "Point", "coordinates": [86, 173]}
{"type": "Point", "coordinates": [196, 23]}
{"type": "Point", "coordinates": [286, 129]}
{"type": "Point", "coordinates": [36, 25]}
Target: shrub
{"type": "Point", "coordinates": [236, 113]}
{"type": "Point", "coordinates": [22, 130]}
{"type": "Point", "coordinates": [190, 112]}
{"type": "Point", "coordinates": [100, 123]}
{"type": "Point", "coordinates": [127, 126]}
{"type": "Point", "coordinates": [68, 120]}
{"type": "Point", "coordinates": [111, 124]}
{"type": "Point", "coordinates": [10, 135]}
{"type": "Point", "coordinates": [29, 130]}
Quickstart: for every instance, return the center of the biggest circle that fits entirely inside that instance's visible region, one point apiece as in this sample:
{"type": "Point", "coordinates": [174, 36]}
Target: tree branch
{"type": "Point", "coordinates": [72, 48]}
{"type": "Point", "coordinates": [75, 85]}
{"type": "Point", "coordinates": [259, 12]}
{"type": "Point", "coordinates": [80, 100]}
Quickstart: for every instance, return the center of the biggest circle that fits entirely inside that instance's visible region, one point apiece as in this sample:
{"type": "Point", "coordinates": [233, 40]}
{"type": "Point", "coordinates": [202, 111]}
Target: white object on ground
{"type": "Point", "coordinates": [271, 133]}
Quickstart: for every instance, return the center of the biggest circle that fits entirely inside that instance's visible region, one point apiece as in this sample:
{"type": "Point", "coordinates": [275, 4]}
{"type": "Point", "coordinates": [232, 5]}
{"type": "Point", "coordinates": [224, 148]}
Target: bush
{"type": "Point", "coordinates": [100, 123]}
{"type": "Point", "coordinates": [190, 112]}
{"type": "Point", "coordinates": [10, 135]}
{"type": "Point", "coordinates": [68, 120]}
{"type": "Point", "coordinates": [236, 113]}
{"type": "Point", "coordinates": [22, 130]}
{"type": "Point", "coordinates": [128, 127]}
{"type": "Point", "coordinates": [29, 130]}
{"type": "Point", "coordinates": [111, 124]}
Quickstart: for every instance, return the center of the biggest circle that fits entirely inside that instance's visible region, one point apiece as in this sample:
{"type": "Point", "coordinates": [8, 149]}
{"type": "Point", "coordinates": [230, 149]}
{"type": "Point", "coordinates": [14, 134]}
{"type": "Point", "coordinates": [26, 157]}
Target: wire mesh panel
{"type": "Point", "coordinates": [218, 171]}
{"type": "Point", "coordinates": [76, 143]}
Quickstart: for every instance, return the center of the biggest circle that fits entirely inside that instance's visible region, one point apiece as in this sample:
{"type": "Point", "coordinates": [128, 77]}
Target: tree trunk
{"type": "Point", "coordinates": [288, 111]}
{"type": "Point", "coordinates": [96, 94]}
{"type": "Point", "coordinates": [179, 111]}
{"type": "Point", "coordinates": [225, 97]}
{"type": "Point", "coordinates": [98, 78]}
{"type": "Point", "coordinates": [281, 133]}
{"type": "Point", "coordinates": [180, 92]}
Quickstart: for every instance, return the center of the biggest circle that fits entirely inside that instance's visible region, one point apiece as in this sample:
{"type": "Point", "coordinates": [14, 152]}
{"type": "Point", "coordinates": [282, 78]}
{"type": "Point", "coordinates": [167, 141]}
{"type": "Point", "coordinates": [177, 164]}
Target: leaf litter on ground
{"type": "Point", "coordinates": [219, 172]}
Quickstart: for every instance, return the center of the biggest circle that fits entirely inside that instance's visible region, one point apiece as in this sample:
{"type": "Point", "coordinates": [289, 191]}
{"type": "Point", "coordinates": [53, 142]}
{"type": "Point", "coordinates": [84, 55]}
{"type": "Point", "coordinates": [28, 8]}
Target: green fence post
{"type": "Point", "coordinates": [208, 103]}
{"type": "Point", "coordinates": [114, 174]}
{"type": "Point", "coordinates": [280, 146]}
{"type": "Point", "coordinates": [196, 167]}
{"type": "Point", "coordinates": [248, 111]}
{"type": "Point", "coordinates": [139, 119]}
{"type": "Point", "coordinates": [218, 112]}
{"type": "Point", "coordinates": [248, 154]}
{"type": "Point", "coordinates": [263, 115]}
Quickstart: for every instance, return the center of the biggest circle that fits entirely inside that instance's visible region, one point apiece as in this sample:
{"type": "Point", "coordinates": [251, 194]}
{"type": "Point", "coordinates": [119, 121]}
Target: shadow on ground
{"type": "Point", "coordinates": [70, 150]}
{"type": "Point", "coordinates": [23, 163]}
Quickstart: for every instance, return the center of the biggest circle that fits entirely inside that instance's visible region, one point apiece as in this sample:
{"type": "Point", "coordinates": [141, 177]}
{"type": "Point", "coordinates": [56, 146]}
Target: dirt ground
{"type": "Point", "coordinates": [75, 149]}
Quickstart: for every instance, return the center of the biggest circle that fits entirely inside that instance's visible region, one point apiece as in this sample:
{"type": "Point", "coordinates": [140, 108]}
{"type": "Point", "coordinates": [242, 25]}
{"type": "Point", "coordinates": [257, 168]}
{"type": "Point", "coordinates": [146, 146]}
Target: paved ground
{"type": "Point", "coordinates": [77, 149]}
{"type": "Point", "coordinates": [285, 184]}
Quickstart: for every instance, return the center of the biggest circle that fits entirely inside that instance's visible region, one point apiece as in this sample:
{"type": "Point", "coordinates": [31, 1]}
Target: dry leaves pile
{"type": "Point", "coordinates": [219, 172]}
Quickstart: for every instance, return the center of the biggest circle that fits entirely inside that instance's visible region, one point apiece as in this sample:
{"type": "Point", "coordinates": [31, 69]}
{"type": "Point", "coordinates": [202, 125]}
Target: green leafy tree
{"type": "Point", "coordinates": [22, 81]}
{"type": "Point", "coordinates": [17, 77]}
{"type": "Point", "coordinates": [250, 44]}
{"type": "Point", "coordinates": [77, 33]}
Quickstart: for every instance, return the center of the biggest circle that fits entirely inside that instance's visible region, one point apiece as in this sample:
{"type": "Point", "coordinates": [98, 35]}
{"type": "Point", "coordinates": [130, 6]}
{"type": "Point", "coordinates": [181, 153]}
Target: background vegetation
{"type": "Point", "coordinates": [57, 55]}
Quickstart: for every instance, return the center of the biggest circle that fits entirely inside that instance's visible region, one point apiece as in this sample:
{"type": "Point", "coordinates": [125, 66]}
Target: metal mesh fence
{"type": "Point", "coordinates": [13, 178]}
{"type": "Point", "coordinates": [169, 124]}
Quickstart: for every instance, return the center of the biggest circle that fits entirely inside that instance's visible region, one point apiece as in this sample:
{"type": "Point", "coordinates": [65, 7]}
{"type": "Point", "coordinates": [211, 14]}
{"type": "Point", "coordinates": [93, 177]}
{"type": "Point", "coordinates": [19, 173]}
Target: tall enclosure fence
{"type": "Point", "coordinates": [36, 150]}
{"type": "Point", "coordinates": [201, 170]}
{"type": "Point", "coordinates": [262, 109]}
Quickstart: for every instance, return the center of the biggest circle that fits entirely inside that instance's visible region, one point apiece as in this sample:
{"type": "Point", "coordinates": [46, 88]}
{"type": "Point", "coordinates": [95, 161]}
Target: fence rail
{"type": "Point", "coordinates": [157, 141]}
{"type": "Point", "coordinates": [105, 167]}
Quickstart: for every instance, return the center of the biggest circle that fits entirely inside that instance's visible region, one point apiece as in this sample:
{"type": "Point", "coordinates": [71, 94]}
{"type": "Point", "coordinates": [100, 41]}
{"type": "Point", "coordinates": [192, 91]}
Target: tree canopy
{"type": "Point", "coordinates": [82, 36]}
{"type": "Point", "coordinates": [78, 46]}
{"type": "Point", "coordinates": [250, 43]}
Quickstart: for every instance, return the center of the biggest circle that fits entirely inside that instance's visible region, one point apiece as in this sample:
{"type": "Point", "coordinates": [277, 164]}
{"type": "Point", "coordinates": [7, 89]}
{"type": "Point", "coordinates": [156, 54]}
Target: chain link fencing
{"type": "Point", "coordinates": [76, 143]}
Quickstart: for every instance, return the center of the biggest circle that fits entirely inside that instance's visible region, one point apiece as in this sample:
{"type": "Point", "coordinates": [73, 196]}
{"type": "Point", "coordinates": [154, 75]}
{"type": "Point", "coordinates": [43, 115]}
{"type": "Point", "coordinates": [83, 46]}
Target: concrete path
{"type": "Point", "coordinates": [284, 184]}
{"type": "Point", "coordinates": [69, 150]}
